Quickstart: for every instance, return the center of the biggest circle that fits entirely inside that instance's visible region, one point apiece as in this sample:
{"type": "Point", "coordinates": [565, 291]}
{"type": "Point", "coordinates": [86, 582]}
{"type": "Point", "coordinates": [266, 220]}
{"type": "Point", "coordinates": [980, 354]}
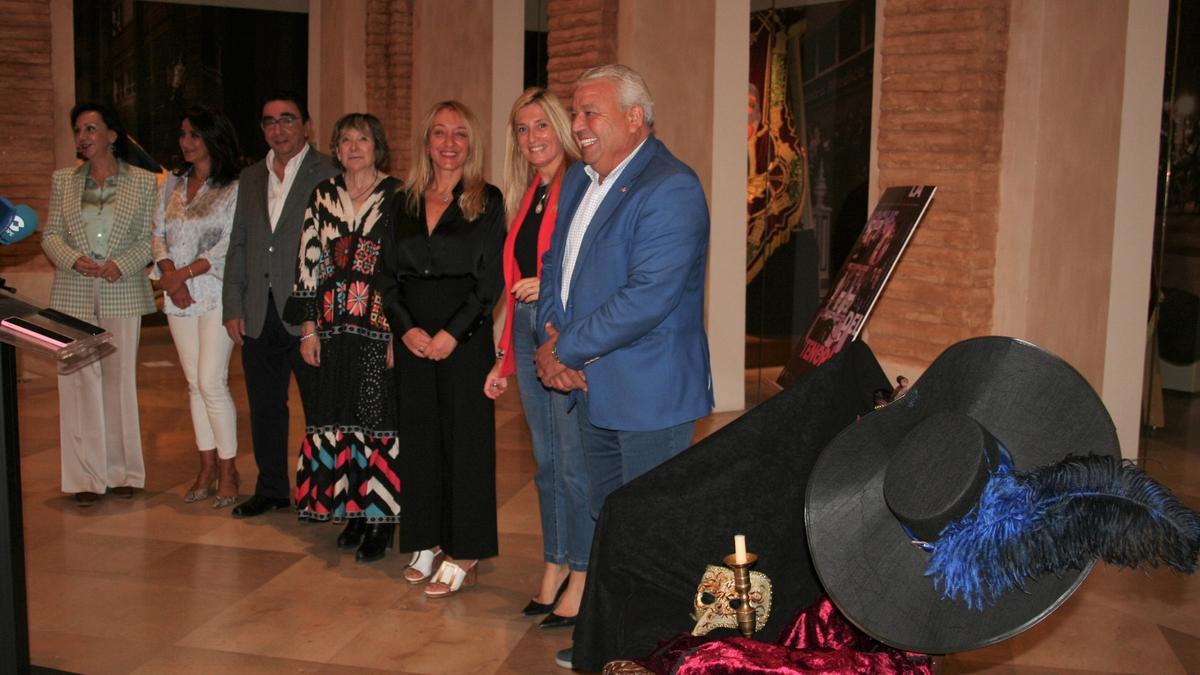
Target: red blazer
{"type": "Point", "coordinates": [512, 273]}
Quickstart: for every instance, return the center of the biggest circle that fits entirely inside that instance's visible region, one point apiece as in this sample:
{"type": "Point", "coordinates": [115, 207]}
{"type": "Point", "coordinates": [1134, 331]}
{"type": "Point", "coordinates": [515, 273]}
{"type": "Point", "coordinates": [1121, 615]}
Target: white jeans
{"type": "Point", "coordinates": [204, 348]}
{"type": "Point", "coordinates": [99, 431]}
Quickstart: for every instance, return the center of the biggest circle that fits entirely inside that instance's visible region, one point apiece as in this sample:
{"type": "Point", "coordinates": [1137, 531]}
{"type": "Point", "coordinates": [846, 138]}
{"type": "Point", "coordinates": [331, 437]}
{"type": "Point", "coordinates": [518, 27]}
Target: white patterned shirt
{"type": "Point", "coordinates": [587, 208]}
{"type": "Point", "coordinates": [187, 231]}
{"type": "Point", "coordinates": [277, 190]}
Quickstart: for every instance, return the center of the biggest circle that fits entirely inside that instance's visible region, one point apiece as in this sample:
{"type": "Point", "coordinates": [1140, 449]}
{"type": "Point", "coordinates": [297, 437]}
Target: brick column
{"type": "Point", "coordinates": [389, 74]}
{"type": "Point", "coordinates": [26, 125]}
{"type": "Point", "coordinates": [941, 122]}
{"type": "Point", "coordinates": [583, 33]}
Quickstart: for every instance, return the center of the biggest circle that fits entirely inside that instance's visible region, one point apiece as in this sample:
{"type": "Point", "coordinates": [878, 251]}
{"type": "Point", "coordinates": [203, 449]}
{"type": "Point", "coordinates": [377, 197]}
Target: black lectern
{"type": "Point", "coordinates": [73, 344]}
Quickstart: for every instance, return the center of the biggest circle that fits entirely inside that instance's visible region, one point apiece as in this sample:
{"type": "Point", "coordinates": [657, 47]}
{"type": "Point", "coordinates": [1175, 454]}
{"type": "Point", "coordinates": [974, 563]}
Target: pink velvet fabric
{"type": "Point", "coordinates": [818, 640]}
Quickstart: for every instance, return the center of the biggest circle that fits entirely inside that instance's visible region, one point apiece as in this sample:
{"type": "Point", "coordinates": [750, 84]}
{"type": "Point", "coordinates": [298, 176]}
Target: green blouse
{"type": "Point", "coordinates": [97, 214]}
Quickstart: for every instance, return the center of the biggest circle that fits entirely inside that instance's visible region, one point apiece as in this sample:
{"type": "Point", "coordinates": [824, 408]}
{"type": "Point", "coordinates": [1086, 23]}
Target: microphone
{"type": "Point", "coordinates": [16, 222]}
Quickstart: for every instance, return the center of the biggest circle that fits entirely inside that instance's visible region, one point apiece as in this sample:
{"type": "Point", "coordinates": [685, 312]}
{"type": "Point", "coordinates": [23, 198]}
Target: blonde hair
{"type": "Point", "coordinates": [473, 199]}
{"type": "Point", "coordinates": [518, 172]}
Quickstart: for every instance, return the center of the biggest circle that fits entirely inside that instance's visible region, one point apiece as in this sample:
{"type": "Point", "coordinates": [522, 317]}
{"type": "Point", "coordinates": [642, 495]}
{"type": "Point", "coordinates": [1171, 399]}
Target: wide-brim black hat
{"type": "Point", "coordinates": [1032, 403]}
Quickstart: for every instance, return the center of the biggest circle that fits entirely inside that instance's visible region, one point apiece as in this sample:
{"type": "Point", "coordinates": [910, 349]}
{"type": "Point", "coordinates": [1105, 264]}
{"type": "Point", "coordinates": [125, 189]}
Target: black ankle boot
{"type": "Point", "coordinates": [377, 541]}
{"type": "Point", "coordinates": [353, 533]}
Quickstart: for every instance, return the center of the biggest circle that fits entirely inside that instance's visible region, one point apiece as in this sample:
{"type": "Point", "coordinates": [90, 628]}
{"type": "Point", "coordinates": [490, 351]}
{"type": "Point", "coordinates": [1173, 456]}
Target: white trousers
{"type": "Point", "coordinates": [99, 430]}
{"type": "Point", "coordinates": [204, 349]}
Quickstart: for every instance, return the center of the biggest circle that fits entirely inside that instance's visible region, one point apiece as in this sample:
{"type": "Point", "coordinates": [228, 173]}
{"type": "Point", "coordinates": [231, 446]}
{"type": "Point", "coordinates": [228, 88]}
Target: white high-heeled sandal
{"type": "Point", "coordinates": [450, 578]}
{"type": "Point", "coordinates": [421, 564]}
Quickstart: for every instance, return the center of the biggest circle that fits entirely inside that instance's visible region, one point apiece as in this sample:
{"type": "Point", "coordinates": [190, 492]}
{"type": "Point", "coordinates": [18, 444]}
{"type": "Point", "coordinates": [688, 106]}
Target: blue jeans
{"type": "Point", "coordinates": [616, 457]}
{"type": "Point", "coordinates": [561, 477]}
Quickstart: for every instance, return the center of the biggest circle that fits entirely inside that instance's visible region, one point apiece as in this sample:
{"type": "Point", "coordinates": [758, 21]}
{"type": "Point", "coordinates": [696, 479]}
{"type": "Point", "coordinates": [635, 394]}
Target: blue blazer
{"type": "Point", "coordinates": [634, 321]}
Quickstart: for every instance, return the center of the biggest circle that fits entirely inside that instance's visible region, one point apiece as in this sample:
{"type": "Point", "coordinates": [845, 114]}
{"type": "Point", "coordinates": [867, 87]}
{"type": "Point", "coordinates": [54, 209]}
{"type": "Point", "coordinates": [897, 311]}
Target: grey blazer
{"type": "Point", "coordinates": [259, 260]}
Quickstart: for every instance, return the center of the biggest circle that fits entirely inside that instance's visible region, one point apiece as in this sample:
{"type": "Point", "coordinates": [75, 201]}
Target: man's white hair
{"type": "Point", "coordinates": [631, 87]}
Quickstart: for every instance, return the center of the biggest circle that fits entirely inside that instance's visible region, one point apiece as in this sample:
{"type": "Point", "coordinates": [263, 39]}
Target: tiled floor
{"type": "Point", "coordinates": [154, 585]}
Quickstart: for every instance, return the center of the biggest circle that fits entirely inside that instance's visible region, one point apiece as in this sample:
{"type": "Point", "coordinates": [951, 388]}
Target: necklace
{"type": "Point", "coordinates": [542, 200]}
{"type": "Point", "coordinates": [443, 198]}
{"type": "Point", "coordinates": [374, 180]}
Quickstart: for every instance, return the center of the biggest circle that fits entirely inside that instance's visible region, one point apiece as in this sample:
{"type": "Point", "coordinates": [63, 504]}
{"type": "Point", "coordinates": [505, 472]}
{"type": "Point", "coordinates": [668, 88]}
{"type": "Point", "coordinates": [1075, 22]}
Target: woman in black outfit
{"type": "Point", "coordinates": [440, 277]}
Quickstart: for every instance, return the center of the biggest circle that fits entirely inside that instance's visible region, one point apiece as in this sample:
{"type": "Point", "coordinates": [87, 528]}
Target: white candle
{"type": "Point", "coordinates": [739, 549]}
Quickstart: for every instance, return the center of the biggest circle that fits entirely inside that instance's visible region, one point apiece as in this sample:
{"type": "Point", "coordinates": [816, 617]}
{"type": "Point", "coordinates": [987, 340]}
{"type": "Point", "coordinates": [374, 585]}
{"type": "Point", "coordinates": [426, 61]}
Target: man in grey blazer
{"type": "Point", "coordinates": [260, 270]}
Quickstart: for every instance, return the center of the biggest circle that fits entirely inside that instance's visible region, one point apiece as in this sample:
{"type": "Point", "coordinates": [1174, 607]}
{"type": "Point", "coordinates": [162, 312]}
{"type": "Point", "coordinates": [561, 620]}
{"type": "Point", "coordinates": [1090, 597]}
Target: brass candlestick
{"type": "Point", "coordinates": [741, 586]}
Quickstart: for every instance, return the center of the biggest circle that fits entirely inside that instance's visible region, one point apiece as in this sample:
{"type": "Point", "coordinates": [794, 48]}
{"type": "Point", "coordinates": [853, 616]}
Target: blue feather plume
{"type": "Point", "coordinates": [1060, 517]}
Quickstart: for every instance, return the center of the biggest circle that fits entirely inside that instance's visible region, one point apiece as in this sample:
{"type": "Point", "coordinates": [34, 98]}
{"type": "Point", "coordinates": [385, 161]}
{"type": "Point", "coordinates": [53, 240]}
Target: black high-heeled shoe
{"type": "Point", "coordinates": [352, 535]}
{"type": "Point", "coordinates": [376, 542]}
{"type": "Point", "coordinates": [535, 608]}
{"type": "Point", "coordinates": [554, 620]}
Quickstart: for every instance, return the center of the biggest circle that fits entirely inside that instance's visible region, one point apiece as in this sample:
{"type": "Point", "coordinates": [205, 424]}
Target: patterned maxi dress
{"type": "Point", "coordinates": [347, 466]}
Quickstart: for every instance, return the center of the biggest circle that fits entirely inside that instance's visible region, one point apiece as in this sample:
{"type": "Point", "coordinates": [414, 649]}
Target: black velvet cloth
{"type": "Point", "coordinates": [656, 535]}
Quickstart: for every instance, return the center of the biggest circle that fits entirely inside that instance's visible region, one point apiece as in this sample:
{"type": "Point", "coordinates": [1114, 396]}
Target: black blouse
{"type": "Point", "coordinates": [525, 245]}
{"type": "Point", "coordinates": [457, 249]}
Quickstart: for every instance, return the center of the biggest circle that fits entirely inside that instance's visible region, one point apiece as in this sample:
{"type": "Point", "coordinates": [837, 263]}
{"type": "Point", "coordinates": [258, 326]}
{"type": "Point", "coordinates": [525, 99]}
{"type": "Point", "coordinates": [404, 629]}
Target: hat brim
{"type": "Point", "coordinates": [1034, 403]}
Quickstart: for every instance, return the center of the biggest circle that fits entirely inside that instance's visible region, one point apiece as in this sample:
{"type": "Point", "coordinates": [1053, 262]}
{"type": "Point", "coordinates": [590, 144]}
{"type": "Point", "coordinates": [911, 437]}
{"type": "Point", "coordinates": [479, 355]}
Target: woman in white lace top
{"type": "Point", "coordinates": [191, 236]}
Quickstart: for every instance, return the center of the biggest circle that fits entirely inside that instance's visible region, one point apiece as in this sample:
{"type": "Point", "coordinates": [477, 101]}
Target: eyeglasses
{"type": "Point", "coordinates": [285, 121]}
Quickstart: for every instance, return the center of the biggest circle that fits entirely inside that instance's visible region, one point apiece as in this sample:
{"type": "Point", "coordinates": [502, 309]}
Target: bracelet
{"type": "Point", "coordinates": [307, 335]}
{"type": "Point", "coordinates": [189, 269]}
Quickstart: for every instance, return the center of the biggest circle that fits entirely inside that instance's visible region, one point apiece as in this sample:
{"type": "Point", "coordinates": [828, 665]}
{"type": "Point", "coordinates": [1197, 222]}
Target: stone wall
{"type": "Point", "coordinates": [27, 132]}
{"type": "Point", "coordinates": [389, 73]}
{"type": "Point", "coordinates": [941, 122]}
{"type": "Point", "coordinates": [583, 33]}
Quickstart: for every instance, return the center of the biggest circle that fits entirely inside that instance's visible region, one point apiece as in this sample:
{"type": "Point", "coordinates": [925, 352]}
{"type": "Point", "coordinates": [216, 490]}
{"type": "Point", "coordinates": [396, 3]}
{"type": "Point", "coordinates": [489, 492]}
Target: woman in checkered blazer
{"type": "Point", "coordinates": [98, 237]}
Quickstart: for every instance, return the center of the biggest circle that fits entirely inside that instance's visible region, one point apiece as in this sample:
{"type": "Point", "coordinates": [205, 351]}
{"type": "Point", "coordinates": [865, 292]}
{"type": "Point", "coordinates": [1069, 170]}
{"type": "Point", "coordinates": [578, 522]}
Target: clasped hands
{"type": "Point", "coordinates": [90, 268]}
{"type": "Point", "coordinates": [173, 281]}
{"type": "Point", "coordinates": [423, 346]}
{"type": "Point", "coordinates": [552, 372]}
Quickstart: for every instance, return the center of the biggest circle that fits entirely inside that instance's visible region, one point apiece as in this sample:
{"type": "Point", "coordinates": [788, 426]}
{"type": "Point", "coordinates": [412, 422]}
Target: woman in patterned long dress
{"type": "Point", "coordinates": [347, 469]}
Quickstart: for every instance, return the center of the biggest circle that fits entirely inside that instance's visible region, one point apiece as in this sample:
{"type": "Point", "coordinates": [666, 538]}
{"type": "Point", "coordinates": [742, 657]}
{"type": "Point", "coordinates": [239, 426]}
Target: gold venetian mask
{"type": "Point", "coordinates": [717, 602]}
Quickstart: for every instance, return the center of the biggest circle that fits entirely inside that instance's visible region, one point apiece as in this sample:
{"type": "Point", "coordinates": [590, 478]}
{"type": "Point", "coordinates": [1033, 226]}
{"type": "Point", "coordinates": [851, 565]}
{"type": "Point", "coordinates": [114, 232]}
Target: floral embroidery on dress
{"type": "Point", "coordinates": [325, 267]}
{"type": "Point", "coordinates": [339, 299]}
{"type": "Point", "coordinates": [366, 256]}
{"type": "Point", "coordinates": [341, 251]}
{"type": "Point", "coordinates": [327, 306]}
{"type": "Point", "coordinates": [356, 302]}
{"type": "Point", "coordinates": [378, 318]}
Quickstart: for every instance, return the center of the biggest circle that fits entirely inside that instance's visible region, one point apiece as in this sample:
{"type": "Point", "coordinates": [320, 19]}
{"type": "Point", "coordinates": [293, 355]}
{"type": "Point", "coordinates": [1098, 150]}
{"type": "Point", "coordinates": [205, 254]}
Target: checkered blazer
{"type": "Point", "coordinates": [64, 241]}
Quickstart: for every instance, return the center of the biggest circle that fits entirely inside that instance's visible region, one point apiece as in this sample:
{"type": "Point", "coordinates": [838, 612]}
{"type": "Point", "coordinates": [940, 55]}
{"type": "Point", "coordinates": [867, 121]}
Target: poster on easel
{"type": "Point", "coordinates": [844, 312]}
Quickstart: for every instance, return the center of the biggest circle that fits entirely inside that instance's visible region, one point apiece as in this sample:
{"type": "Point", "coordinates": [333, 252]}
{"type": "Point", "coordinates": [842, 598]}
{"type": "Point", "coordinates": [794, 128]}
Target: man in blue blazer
{"type": "Point", "coordinates": [622, 291]}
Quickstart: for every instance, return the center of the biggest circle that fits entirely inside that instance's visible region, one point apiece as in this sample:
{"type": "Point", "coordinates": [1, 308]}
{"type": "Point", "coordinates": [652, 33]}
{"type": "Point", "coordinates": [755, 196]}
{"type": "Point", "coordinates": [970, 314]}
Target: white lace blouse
{"type": "Point", "coordinates": [187, 231]}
